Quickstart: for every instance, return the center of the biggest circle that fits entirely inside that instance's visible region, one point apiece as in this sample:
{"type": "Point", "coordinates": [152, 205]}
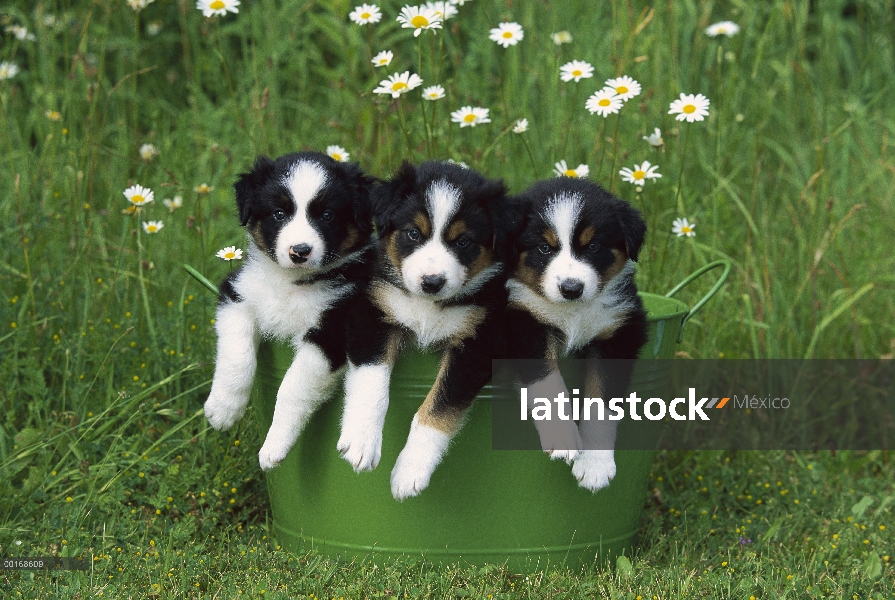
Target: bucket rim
{"type": "Point", "coordinates": [682, 310]}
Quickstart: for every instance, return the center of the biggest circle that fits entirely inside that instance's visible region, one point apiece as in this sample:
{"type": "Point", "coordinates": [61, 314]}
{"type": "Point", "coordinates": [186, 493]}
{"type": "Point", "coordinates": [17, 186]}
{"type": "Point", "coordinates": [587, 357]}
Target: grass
{"type": "Point", "coordinates": [108, 344]}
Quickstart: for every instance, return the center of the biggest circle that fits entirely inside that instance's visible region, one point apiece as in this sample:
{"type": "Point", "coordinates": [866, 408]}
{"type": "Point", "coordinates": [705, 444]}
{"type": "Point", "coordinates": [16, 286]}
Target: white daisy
{"type": "Point", "coordinates": [655, 139]}
{"type": "Point", "coordinates": [728, 28]}
{"type": "Point", "coordinates": [230, 253]}
{"type": "Point", "coordinates": [470, 117]}
{"type": "Point", "coordinates": [563, 170]}
{"type": "Point", "coordinates": [624, 86]}
{"type": "Point", "coordinates": [148, 152]}
{"type": "Point", "coordinates": [383, 59]}
{"type": "Point", "coordinates": [217, 8]}
{"type": "Point", "coordinates": [433, 92]}
{"type": "Point", "coordinates": [577, 70]}
{"type": "Point", "coordinates": [8, 70]}
{"type": "Point", "coordinates": [459, 2]}
{"type": "Point", "coordinates": [139, 5]}
{"type": "Point", "coordinates": [154, 27]}
{"type": "Point", "coordinates": [640, 173]}
{"type": "Point", "coordinates": [690, 108]}
{"type": "Point", "coordinates": [139, 195]}
{"type": "Point", "coordinates": [683, 227]}
{"type": "Point", "coordinates": [521, 126]}
{"type": "Point", "coordinates": [203, 188]}
{"type": "Point", "coordinates": [20, 33]}
{"type": "Point", "coordinates": [398, 84]}
{"type": "Point", "coordinates": [445, 10]}
{"type": "Point", "coordinates": [152, 226]}
{"type": "Point", "coordinates": [337, 152]}
{"type": "Point", "coordinates": [365, 13]}
{"type": "Point", "coordinates": [173, 203]}
{"type": "Point", "coordinates": [561, 37]}
{"type": "Point", "coordinates": [507, 34]}
{"type": "Point", "coordinates": [418, 18]}
{"type": "Point", "coordinates": [605, 102]}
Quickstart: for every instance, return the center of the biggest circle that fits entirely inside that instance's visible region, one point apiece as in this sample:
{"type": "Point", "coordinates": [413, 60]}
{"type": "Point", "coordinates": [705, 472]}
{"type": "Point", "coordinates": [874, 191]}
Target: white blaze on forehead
{"type": "Point", "coordinates": [304, 180]}
{"type": "Point", "coordinates": [442, 201]}
{"type": "Point", "coordinates": [562, 215]}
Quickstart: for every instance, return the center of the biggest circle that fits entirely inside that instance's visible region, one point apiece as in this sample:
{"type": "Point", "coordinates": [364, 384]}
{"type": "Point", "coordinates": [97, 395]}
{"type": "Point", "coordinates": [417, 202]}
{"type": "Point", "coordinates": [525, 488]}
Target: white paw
{"type": "Point", "coordinates": [411, 475]}
{"type": "Point", "coordinates": [223, 411]}
{"type": "Point", "coordinates": [594, 469]}
{"type": "Point", "coordinates": [560, 439]}
{"type": "Point", "coordinates": [272, 454]}
{"type": "Point", "coordinates": [361, 447]}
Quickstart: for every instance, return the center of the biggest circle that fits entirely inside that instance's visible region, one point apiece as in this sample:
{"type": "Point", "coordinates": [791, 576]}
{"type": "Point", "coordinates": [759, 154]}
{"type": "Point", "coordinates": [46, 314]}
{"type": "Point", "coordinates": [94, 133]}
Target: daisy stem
{"type": "Point", "coordinates": [494, 143]}
{"type": "Point", "coordinates": [678, 201]}
{"type": "Point", "coordinates": [717, 199]}
{"type": "Point", "coordinates": [565, 138]}
{"type": "Point", "coordinates": [618, 120]}
{"type": "Point", "coordinates": [419, 55]}
{"type": "Point", "coordinates": [534, 166]}
{"type": "Point", "coordinates": [134, 124]}
{"type": "Point", "coordinates": [428, 131]}
{"type": "Point", "coordinates": [599, 142]}
{"type": "Point", "coordinates": [146, 311]}
{"type": "Point", "coordinates": [403, 124]}
{"type": "Point", "coordinates": [217, 29]}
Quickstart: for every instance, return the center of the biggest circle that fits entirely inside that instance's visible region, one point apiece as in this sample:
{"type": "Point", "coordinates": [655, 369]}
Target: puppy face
{"type": "Point", "coordinates": [576, 237]}
{"type": "Point", "coordinates": [305, 210]}
{"type": "Point", "coordinates": [436, 227]}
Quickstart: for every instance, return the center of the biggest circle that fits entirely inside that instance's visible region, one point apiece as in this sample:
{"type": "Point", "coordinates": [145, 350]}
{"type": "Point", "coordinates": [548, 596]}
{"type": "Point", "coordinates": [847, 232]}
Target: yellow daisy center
{"type": "Point", "coordinates": [398, 86]}
{"type": "Point", "coordinates": [383, 61]}
{"type": "Point", "coordinates": [690, 108]}
{"type": "Point", "coordinates": [686, 229]}
{"type": "Point", "coordinates": [720, 30]}
{"type": "Point", "coordinates": [230, 255]}
{"type": "Point", "coordinates": [217, 5]}
{"type": "Point", "coordinates": [639, 174]}
{"type": "Point", "coordinates": [576, 73]}
{"type": "Point", "coordinates": [604, 102]}
{"type": "Point", "coordinates": [336, 156]}
{"type": "Point", "coordinates": [365, 15]}
{"type": "Point", "coordinates": [508, 34]}
{"type": "Point", "coordinates": [433, 95]}
{"type": "Point", "coordinates": [419, 21]}
{"type": "Point", "coordinates": [570, 173]}
{"type": "Point", "coordinates": [138, 199]}
{"type": "Point", "coordinates": [151, 229]}
{"type": "Point", "coordinates": [469, 118]}
{"type": "Point", "coordinates": [621, 89]}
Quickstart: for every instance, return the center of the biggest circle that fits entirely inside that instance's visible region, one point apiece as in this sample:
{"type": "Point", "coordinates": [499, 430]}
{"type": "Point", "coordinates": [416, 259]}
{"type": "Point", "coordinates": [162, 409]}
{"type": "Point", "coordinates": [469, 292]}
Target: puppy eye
{"type": "Point", "coordinates": [462, 241]}
{"type": "Point", "coordinates": [545, 249]}
{"type": "Point", "coordinates": [593, 247]}
{"type": "Point", "coordinates": [279, 215]}
{"type": "Point", "coordinates": [413, 234]}
{"type": "Point", "coordinates": [327, 215]}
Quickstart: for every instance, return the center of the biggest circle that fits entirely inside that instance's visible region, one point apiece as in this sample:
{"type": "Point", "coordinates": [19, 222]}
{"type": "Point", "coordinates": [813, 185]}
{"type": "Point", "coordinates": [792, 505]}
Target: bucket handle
{"type": "Point", "coordinates": [712, 265]}
{"type": "Point", "coordinates": [201, 279]}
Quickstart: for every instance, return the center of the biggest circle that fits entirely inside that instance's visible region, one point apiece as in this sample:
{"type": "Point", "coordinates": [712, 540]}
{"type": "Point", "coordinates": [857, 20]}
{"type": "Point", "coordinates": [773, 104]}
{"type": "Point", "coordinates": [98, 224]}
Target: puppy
{"type": "Point", "coordinates": [439, 283]}
{"type": "Point", "coordinates": [309, 256]}
{"type": "Point", "coordinates": [572, 294]}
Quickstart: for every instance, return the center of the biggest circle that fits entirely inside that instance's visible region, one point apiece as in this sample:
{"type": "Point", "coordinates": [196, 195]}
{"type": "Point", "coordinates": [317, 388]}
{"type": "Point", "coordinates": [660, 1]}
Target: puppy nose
{"type": "Point", "coordinates": [571, 288]}
{"type": "Point", "coordinates": [299, 253]}
{"type": "Point", "coordinates": [433, 283]}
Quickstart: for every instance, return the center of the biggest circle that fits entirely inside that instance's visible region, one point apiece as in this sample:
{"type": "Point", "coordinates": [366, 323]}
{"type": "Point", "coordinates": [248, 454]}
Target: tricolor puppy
{"type": "Point", "coordinates": [572, 295]}
{"type": "Point", "coordinates": [439, 284]}
{"type": "Point", "coordinates": [309, 255]}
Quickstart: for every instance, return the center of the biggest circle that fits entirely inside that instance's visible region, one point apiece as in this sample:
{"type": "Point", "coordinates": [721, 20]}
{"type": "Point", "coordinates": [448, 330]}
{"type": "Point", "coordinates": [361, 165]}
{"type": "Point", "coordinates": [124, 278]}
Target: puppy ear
{"type": "Point", "coordinates": [633, 227]}
{"type": "Point", "coordinates": [249, 184]}
{"type": "Point", "coordinates": [508, 215]}
{"type": "Point", "coordinates": [361, 185]}
{"type": "Point", "coordinates": [387, 196]}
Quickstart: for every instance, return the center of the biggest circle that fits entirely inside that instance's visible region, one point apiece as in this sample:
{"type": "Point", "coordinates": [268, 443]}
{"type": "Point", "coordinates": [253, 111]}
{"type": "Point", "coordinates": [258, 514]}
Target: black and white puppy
{"type": "Point", "coordinates": [309, 255]}
{"type": "Point", "coordinates": [572, 295]}
{"type": "Point", "coordinates": [439, 283]}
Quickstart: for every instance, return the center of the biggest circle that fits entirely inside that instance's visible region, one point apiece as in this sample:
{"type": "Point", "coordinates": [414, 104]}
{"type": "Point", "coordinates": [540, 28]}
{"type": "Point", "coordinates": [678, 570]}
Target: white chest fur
{"type": "Point", "coordinates": [580, 322]}
{"type": "Point", "coordinates": [283, 309]}
{"type": "Point", "coordinates": [431, 322]}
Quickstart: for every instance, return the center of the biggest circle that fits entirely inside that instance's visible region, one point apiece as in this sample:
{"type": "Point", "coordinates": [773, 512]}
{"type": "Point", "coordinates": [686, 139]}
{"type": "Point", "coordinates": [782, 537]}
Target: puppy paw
{"type": "Point", "coordinates": [271, 455]}
{"type": "Point", "coordinates": [362, 449]}
{"type": "Point", "coordinates": [561, 440]}
{"type": "Point", "coordinates": [222, 411]}
{"type": "Point", "coordinates": [410, 476]}
{"type": "Point", "coordinates": [594, 469]}
{"type": "Point", "coordinates": [568, 456]}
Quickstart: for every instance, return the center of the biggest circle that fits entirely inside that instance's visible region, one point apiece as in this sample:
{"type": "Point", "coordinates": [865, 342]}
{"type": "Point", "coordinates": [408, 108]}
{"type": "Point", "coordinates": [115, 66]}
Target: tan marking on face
{"type": "Point", "coordinates": [587, 234]}
{"type": "Point", "coordinates": [615, 268]}
{"type": "Point", "coordinates": [484, 260]}
{"type": "Point", "coordinates": [433, 413]}
{"type": "Point", "coordinates": [255, 232]}
{"type": "Point", "coordinates": [391, 250]}
{"type": "Point", "coordinates": [456, 229]}
{"type": "Point", "coordinates": [526, 274]}
{"type": "Point", "coordinates": [421, 222]}
{"type": "Point", "coordinates": [550, 236]}
{"type": "Point", "coordinates": [351, 239]}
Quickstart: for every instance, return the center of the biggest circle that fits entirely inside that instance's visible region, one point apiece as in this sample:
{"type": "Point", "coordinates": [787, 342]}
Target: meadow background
{"type": "Point", "coordinates": [108, 345]}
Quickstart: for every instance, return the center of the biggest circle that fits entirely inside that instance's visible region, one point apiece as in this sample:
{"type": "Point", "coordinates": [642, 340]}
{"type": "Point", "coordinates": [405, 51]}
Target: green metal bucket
{"type": "Point", "coordinates": [482, 506]}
